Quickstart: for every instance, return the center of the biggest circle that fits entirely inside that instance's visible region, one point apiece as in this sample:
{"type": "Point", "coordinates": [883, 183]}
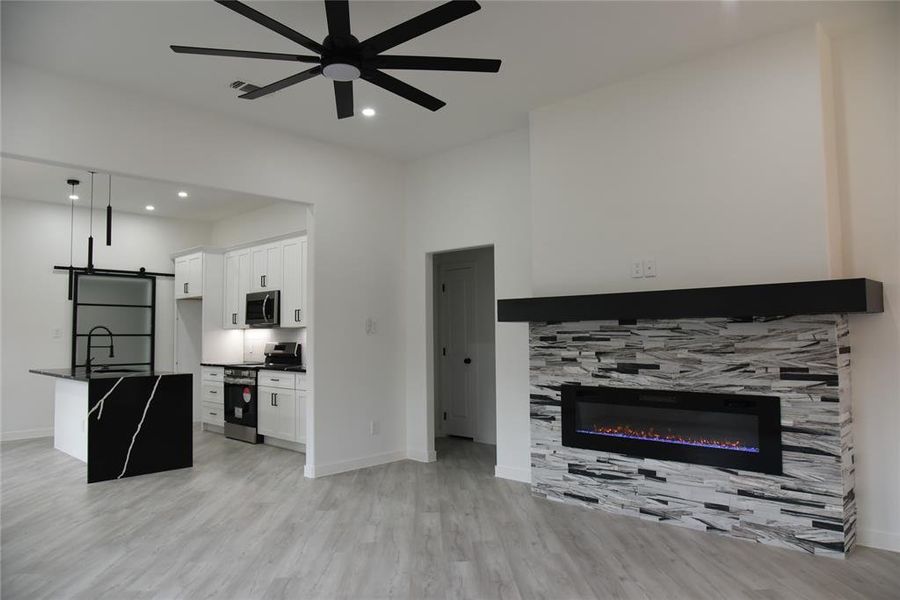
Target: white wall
{"type": "Point", "coordinates": [714, 167]}
{"type": "Point", "coordinates": [278, 219]}
{"type": "Point", "coordinates": [472, 196]}
{"type": "Point", "coordinates": [35, 236]}
{"type": "Point", "coordinates": [866, 63]}
{"type": "Point", "coordinates": [356, 231]}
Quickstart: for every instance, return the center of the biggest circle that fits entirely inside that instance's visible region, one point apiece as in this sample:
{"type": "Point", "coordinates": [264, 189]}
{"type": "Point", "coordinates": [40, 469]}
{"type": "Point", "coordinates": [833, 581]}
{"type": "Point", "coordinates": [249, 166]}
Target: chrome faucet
{"type": "Point", "coordinates": [91, 346]}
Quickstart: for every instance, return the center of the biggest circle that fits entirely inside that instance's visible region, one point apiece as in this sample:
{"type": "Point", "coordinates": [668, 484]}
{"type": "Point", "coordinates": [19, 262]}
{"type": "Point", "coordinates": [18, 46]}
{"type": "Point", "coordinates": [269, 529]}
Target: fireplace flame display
{"type": "Point", "coordinates": [652, 435]}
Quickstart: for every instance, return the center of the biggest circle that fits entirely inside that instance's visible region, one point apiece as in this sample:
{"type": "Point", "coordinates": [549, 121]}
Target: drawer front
{"type": "Point", "coordinates": [276, 379]}
{"type": "Point", "coordinates": [302, 382]}
{"type": "Point", "coordinates": [212, 374]}
{"type": "Point", "coordinates": [213, 393]}
{"type": "Point", "coordinates": [212, 413]}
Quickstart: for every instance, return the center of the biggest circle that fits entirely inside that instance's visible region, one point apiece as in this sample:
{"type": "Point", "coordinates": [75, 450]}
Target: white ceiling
{"type": "Point", "coordinates": [551, 50]}
{"type": "Point", "coordinates": [41, 182]}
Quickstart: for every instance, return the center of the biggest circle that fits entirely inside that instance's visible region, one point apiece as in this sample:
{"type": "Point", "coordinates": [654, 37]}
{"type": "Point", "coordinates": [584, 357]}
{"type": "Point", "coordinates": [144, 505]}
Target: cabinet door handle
{"type": "Point", "coordinates": [185, 288]}
{"type": "Point", "coordinates": [213, 391]}
{"type": "Point", "coordinates": [297, 314]}
{"type": "Point", "coordinates": [234, 318]}
{"type": "Point", "coordinates": [262, 281]}
{"type": "Point", "coordinates": [273, 379]}
{"type": "Point", "coordinates": [274, 400]}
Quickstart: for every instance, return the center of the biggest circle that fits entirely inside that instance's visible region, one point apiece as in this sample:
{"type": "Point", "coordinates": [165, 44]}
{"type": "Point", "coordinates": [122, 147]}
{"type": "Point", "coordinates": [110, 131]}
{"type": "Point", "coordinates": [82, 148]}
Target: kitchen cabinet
{"type": "Point", "coordinates": [236, 286]}
{"type": "Point", "coordinates": [212, 399]}
{"type": "Point", "coordinates": [293, 282]}
{"type": "Point", "coordinates": [277, 413]}
{"type": "Point", "coordinates": [189, 276]}
{"type": "Point", "coordinates": [265, 267]}
{"type": "Point", "coordinates": [282, 405]}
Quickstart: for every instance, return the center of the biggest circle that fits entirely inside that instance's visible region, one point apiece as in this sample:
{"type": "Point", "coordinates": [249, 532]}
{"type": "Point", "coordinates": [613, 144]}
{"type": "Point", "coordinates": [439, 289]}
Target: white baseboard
{"type": "Point", "coordinates": [285, 445]}
{"type": "Point", "coordinates": [513, 473]}
{"type": "Point", "coordinates": [882, 540]}
{"type": "Point", "coordinates": [425, 456]}
{"type": "Point", "coordinates": [26, 434]}
{"type": "Point", "coordinates": [313, 471]}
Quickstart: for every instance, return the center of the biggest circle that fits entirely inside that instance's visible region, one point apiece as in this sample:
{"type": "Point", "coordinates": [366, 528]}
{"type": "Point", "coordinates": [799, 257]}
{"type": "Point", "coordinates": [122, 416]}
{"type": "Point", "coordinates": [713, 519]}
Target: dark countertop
{"type": "Point", "coordinates": [258, 366]}
{"type": "Point", "coordinates": [82, 375]}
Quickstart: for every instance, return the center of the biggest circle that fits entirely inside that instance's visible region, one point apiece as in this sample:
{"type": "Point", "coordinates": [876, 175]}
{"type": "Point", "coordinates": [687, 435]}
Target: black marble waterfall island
{"type": "Point", "coordinates": [123, 424]}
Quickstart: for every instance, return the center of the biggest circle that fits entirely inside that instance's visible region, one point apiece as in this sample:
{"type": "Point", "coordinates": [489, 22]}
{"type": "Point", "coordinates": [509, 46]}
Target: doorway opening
{"type": "Point", "coordinates": [463, 334]}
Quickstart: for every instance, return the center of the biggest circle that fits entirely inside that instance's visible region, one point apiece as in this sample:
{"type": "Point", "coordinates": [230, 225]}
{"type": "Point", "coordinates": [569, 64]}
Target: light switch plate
{"type": "Point", "coordinates": [649, 267]}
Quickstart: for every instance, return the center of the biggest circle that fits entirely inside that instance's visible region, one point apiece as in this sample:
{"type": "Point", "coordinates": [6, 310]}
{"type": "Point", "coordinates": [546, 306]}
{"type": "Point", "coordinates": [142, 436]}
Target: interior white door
{"type": "Point", "coordinates": [459, 367]}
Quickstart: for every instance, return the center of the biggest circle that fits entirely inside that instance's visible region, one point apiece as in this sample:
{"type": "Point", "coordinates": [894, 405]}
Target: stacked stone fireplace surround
{"type": "Point", "coordinates": [803, 360]}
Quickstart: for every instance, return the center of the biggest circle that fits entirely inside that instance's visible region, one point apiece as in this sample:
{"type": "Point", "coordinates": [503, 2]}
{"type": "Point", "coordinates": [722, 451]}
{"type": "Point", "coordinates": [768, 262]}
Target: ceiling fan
{"type": "Point", "coordinates": [342, 58]}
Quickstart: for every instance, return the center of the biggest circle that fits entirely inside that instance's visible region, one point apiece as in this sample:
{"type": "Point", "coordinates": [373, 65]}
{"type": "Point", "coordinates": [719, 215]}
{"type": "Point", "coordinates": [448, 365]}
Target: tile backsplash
{"type": "Point", "coordinates": [255, 341]}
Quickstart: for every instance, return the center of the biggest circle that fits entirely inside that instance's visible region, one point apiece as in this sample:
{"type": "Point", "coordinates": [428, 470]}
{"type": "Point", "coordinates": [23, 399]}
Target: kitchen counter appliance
{"type": "Point", "coordinates": [264, 309]}
{"type": "Point", "coordinates": [241, 409]}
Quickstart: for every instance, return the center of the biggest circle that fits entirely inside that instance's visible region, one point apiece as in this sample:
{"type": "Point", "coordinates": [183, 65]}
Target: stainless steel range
{"type": "Point", "coordinates": [241, 410]}
{"type": "Point", "coordinates": [240, 404]}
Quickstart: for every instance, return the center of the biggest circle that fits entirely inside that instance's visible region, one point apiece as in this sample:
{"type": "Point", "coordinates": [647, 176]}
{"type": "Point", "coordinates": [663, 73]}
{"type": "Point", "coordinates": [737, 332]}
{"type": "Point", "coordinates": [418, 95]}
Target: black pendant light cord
{"type": "Point", "coordinates": [109, 212]}
{"type": "Point", "coordinates": [90, 260]}
{"type": "Point", "coordinates": [72, 183]}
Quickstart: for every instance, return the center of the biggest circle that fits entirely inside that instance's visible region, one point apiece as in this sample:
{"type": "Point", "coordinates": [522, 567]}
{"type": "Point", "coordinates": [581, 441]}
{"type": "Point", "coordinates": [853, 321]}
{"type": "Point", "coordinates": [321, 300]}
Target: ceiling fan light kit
{"type": "Point", "coordinates": [343, 59]}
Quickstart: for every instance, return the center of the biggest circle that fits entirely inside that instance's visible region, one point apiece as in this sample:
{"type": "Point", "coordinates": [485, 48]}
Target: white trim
{"type": "Point", "coordinates": [883, 540]}
{"type": "Point", "coordinates": [425, 456]}
{"type": "Point", "coordinates": [513, 473]}
{"type": "Point", "coordinates": [342, 466]}
{"type": "Point", "coordinates": [26, 434]}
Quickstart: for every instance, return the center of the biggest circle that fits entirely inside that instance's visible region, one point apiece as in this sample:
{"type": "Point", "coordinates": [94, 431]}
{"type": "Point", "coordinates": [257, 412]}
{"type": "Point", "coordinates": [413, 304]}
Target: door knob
{"type": "Point", "coordinates": [467, 361]}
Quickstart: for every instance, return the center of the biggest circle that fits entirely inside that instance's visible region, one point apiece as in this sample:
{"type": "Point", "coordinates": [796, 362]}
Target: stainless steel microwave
{"type": "Point", "coordinates": [264, 309]}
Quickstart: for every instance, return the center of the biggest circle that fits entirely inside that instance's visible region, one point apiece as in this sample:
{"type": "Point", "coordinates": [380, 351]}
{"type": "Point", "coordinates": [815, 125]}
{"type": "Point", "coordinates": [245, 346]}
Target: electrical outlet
{"type": "Point", "coordinates": [370, 326]}
{"type": "Point", "coordinates": [649, 267]}
{"type": "Point", "coordinates": [373, 427]}
{"type": "Point", "coordinates": [637, 268]}
{"type": "Point", "coordinates": [56, 333]}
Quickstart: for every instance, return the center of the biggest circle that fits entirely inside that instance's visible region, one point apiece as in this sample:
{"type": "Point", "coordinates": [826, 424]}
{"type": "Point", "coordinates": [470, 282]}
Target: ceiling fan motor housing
{"type": "Point", "coordinates": [342, 58]}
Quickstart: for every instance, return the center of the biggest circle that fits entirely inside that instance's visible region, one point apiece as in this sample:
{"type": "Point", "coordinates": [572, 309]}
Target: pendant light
{"type": "Point", "coordinates": [109, 212]}
{"type": "Point", "coordinates": [90, 261]}
{"type": "Point", "coordinates": [72, 198]}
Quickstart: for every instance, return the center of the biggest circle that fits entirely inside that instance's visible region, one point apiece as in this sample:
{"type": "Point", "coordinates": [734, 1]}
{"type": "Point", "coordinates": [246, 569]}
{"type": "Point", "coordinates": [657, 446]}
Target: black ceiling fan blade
{"type": "Point", "coordinates": [283, 83]}
{"type": "Point", "coordinates": [337, 12]}
{"type": "Point", "coordinates": [343, 98]}
{"type": "Point", "coordinates": [404, 90]}
{"type": "Point", "coordinates": [434, 18]}
{"type": "Point", "coordinates": [270, 23]}
{"type": "Point", "coordinates": [245, 54]}
{"type": "Point", "coordinates": [437, 63]}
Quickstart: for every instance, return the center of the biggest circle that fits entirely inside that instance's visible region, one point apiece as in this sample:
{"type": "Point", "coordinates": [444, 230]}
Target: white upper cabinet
{"type": "Point", "coordinates": [265, 267]}
{"type": "Point", "coordinates": [293, 283]}
{"type": "Point", "coordinates": [189, 276]}
{"type": "Point", "coordinates": [237, 284]}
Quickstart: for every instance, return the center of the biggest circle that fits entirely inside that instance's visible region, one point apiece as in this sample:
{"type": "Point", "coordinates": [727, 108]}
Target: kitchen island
{"type": "Point", "coordinates": [123, 423]}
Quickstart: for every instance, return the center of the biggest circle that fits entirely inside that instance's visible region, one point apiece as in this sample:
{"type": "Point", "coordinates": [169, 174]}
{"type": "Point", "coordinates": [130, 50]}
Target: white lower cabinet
{"type": "Point", "coordinates": [282, 399]}
{"type": "Point", "coordinates": [278, 414]}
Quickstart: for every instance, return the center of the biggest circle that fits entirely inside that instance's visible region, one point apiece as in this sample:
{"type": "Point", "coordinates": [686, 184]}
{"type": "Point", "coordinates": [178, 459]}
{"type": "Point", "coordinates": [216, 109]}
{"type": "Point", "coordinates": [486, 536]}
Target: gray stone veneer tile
{"type": "Point", "coordinates": [803, 360]}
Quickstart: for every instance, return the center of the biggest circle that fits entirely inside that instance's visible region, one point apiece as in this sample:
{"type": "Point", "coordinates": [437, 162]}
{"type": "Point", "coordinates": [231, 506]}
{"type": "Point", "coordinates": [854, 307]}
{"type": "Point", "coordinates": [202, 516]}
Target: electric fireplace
{"type": "Point", "coordinates": [722, 430]}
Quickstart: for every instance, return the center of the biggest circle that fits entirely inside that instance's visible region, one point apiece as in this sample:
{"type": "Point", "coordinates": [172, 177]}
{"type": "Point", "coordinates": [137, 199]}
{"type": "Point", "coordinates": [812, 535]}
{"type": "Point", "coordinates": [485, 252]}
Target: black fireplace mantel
{"type": "Point", "coordinates": [766, 300]}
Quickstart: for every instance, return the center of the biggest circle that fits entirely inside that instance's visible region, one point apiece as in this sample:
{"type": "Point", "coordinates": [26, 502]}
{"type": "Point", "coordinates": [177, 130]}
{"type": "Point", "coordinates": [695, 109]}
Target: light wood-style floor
{"type": "Point", "coordinates": [244, 523]}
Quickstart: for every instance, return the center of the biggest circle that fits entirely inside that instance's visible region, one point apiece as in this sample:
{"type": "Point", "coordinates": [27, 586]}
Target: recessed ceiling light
{"type": "Point", "coordinates": [182, 194]}
{"type": "Point", "coordinates": [150, 207]}
{"type": "Point", "coordinates": [368, 111]}
{"type": "Point", "coordinates": [73, 196]}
